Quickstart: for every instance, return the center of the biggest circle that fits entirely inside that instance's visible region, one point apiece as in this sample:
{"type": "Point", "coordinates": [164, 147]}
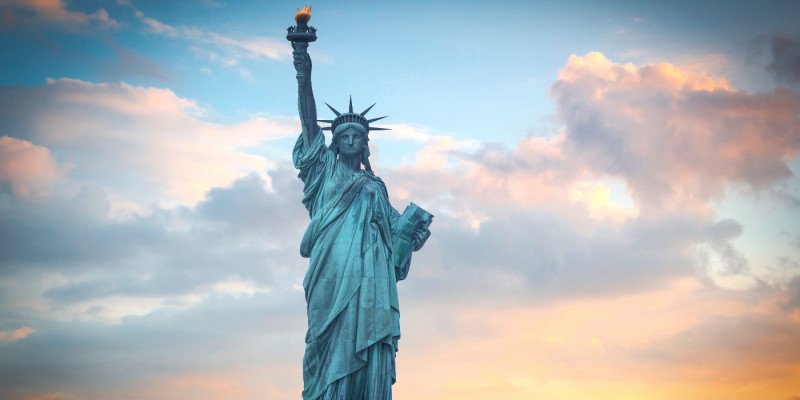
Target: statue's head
{"type": "Point", "coordinates": [351, 133]}
{"type": "Point", "coordinates": [350, 139]}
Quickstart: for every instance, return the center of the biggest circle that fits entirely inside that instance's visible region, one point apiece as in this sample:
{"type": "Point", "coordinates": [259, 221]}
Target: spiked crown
{"type": "Point", "coordinates": [351, 117]}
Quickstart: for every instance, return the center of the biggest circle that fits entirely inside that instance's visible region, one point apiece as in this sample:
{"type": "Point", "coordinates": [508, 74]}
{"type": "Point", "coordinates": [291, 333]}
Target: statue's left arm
{"type": "Point", "coordinates": [404, 247]}
{"type": "Point", "coordinates": [420, 237]}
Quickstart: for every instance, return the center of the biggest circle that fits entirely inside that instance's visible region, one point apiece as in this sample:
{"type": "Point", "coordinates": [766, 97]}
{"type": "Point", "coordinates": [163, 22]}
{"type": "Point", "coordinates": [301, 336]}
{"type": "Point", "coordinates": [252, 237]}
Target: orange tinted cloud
{"type": "Point", "coordinates": [17, 334]}
{"type": "Point", "coordinates": [682, 341]}
{"type": "Point", "coordinates": [677, 137]}
{"type": "Point", "coordinates": [56, 12]}
{"type": "Point", "coordinates": [29, 168]}
{"type": "Point", "coordinates": [650, 139]}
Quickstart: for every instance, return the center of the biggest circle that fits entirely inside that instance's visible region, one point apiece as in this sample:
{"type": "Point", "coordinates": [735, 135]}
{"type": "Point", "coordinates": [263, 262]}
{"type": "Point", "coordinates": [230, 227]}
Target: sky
{"type": "Point", "coordinates": [615, 189]}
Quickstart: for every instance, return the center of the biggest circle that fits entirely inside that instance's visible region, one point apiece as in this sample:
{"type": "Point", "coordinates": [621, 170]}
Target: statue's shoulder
{"type": "Point", "coordinates": [374, 177]}
{"type": "Point", "coordinates": [377, 180]}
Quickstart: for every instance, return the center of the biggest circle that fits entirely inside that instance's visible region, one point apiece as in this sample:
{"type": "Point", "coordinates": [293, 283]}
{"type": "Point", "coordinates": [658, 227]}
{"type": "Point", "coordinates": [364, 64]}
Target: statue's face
{"type": "Point", "coordinates": [351, 142]}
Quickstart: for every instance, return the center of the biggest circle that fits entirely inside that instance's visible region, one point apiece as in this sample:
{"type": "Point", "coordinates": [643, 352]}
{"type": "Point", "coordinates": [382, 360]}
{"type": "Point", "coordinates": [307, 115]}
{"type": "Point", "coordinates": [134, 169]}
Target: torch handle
{"type": "Point", "coordinates": [300, 46]}
{"type": "Point", "coordinates": [302, 60]}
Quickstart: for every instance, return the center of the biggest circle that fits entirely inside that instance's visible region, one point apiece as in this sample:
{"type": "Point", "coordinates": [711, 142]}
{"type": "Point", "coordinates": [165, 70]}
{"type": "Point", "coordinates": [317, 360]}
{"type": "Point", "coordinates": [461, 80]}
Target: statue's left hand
{"type": "Point", "coordinates": [420, 238]}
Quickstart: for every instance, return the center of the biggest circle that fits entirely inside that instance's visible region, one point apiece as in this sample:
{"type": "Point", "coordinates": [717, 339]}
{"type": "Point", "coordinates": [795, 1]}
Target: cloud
{"type": "Point", "coordinates": [239, 240]}
{"type": "Point", "coordinates": [130, 302]}
{"type": "Point", "coordinates": [17, 334]}
{"type": "Point", "coordinates": [228, 50]}
{"type": "Point", "coordinates": [156, 356]}
{"type": "Point", "coordinates": [145, 145]}
{"type": "Point", "coordinates": [636, 140]}
{"type": "Point", "coordinates": [732, 261]}
{"type": "Point", "coordinates": [129, 63]}
{"type": "Point", "coordinates": [53, 13]}
{"type": "Point", "coordinates": [793, 303]}
{"type": "Point", "coordinates": [551, 264]}
{"type": "Point", "coordinates": [785, 57]}
{"type": "Point", "coordinates": [676, 137]}
{"type": "Point", "coordinates": [680, 340]}
{"type": "Point", "coordinates": [753, 345]}
{"type": "Point", "coordinates": [27, 167]}
{"type": "Point", "coordinates": [630, 181]}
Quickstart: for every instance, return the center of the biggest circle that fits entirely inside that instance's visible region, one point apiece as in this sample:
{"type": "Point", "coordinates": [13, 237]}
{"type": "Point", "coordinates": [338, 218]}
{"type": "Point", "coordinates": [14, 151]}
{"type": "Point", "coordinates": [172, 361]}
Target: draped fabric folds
{"type": "Point", "coordinates": [351, 283]}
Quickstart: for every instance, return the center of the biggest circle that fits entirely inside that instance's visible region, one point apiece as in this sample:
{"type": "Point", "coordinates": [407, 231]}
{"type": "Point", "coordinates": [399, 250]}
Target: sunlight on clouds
{"type": "Point", "coordinates": [56, 12]}
{"type": "Point", "coordinates": [597, 198]}
{"type": "Point", "coordinates": [677, 137]}
{"type": "Point", "coordinates": [596, 64]}
{"type": "Point", "coordinates": [113, 309]}
{"type": "Point", "coordinates": [29, 168]}
{"type": "Point", "coordinates": [126, 99]}
{"type": "Point", "coordinates": [16, 334]}
{"type": "Point", "coordinates": [437, 149]}
{"type": "Point", "coordinates": [237, 288]}
{"type": "Point", "coordinates": [593, 262]}
{"type": "Point", "coordinates": [144, 145]}
{"type": "Point", "coordinates": [663, 75]}
{"type": "Point", "coordinates": [200, 387]}
{"type": "Point", "coordinates": [473, 219]}
{"type": "Point", "coordinates": [435, 155]}
{"type": "Point", "coordinates": [599, 347]}
{"type": "Point", "coordinates": [670, 77]}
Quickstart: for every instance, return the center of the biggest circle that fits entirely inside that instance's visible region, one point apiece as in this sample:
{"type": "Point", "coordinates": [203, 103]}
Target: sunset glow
{"type": "Point", "coordinates": [615, 190]}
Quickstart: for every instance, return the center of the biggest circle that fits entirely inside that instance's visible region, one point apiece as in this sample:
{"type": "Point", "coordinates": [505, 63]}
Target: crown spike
{"type": "Point", "coordinates": [351, 117]}
{"type": "Point", "coordinates": [334, 110]}
{"type": "Point", "coordinates": [363, 113]}
{"type": "Point", "coordinates": [369, 121]}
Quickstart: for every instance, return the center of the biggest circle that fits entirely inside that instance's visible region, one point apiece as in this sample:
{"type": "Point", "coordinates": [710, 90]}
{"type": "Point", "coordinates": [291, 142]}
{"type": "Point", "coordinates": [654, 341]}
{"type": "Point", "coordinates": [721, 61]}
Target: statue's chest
{"type": "Point", "coordinates": [351, 186]}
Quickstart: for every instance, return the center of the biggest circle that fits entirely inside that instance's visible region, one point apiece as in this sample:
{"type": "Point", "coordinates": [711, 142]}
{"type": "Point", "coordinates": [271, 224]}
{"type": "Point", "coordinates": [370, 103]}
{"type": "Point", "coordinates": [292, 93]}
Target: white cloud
{"type": "Point", "coordinates": [144, 145]}
{"type": "Point", "coordinates": [227, 50]}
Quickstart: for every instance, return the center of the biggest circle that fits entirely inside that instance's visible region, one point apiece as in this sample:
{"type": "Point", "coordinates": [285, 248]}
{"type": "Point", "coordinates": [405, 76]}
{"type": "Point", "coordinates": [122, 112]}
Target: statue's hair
{"type": "Point", "coordinates": [334, 146]}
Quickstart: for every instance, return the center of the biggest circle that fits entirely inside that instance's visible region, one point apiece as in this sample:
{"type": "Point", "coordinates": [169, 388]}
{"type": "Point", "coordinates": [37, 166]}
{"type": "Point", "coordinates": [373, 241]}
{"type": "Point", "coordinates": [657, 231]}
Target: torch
{"type": "Point", "coordinates": [301, 33]}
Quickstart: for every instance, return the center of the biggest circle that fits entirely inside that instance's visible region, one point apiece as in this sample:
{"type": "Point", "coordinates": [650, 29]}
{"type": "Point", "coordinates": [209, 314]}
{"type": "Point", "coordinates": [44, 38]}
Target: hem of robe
{"type": "Point", "coordinates": [372, 381]}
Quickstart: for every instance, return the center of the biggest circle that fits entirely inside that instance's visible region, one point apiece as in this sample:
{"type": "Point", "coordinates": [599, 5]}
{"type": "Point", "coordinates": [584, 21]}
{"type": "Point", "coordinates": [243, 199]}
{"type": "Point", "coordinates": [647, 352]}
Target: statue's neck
{"type": "Point", "coordinates": [352, 163]}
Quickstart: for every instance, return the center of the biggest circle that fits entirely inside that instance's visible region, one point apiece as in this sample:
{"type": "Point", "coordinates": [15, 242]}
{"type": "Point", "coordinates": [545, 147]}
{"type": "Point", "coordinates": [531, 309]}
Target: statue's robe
{"type": "Point", "coordinates": [351, 282]}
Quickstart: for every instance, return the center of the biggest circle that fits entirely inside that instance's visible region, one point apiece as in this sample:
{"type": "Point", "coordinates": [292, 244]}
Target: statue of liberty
{"type": "Point", "coordinates": [358, 245]}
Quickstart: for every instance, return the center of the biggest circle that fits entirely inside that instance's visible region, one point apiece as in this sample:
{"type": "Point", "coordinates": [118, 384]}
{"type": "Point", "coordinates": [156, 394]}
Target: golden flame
{"type": "Point", "coordinates": [303, 15]}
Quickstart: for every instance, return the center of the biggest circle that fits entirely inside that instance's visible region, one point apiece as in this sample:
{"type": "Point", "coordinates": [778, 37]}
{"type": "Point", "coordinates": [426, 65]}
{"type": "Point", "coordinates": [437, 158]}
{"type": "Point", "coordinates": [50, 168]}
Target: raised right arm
{"type": "Point", "coordinates": [305, 95]}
